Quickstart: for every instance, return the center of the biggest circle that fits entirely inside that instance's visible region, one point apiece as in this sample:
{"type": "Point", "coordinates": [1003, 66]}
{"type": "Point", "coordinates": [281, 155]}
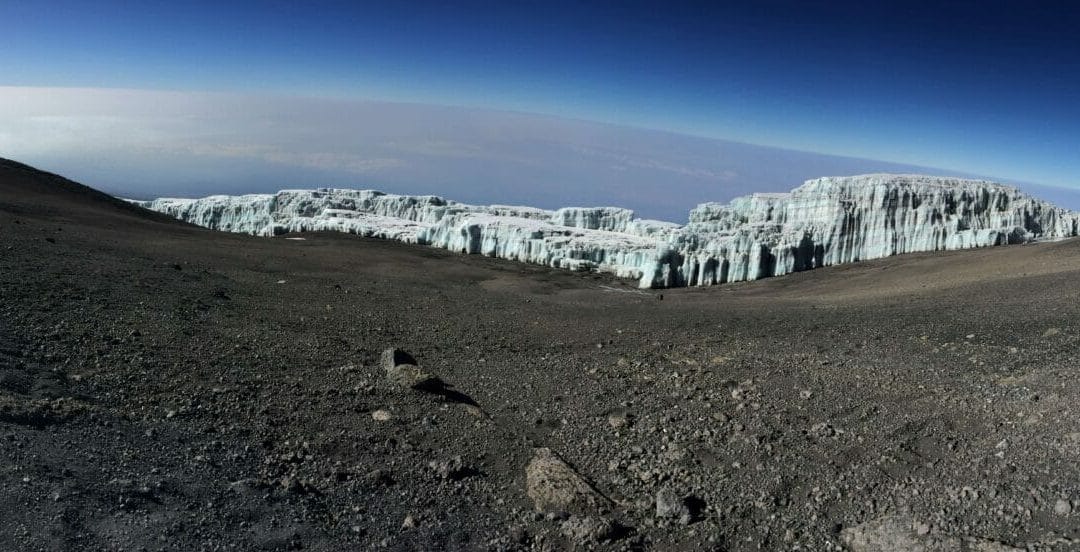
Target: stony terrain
{"type": "Point", "coordinates": [165, 387]}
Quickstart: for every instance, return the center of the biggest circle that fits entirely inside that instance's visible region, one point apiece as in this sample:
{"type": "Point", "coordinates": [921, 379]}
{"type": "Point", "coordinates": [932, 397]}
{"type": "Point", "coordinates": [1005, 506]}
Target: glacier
{"type": "Point", "coordinates": [823, 222]}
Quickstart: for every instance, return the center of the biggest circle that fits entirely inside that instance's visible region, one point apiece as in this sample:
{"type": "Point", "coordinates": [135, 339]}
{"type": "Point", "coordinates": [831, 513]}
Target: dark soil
{"type": "Point", "coordinates": [165, 387]}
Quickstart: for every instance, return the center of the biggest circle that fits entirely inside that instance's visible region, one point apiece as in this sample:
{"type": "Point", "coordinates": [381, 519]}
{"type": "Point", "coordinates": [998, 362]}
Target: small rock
{"type": "Point", "coordinates": [474, 411]}
{"type": "Point", "coordinates": [1062, 507]}
{"type": "Point", "coordinates": [823, 430]}
{"type": "Point", "coordinates": [393, 357]}
{"type": "Point", "coordinates": [555, 516]}
{"type": "Point", "coordinates": [585, 530]}
{"type": "Point", "coordinates": [518, 535]}
{"type": "Point", "coordinates": [899, 533]}
{"type": "Point", "coordinates": [671, 505]}
{"type": "Point", "coordinates": [890, 533]}
{"type": "Point", "coordinates": [675, 453]}
{"type": "Point", "coordinates": [243, 485]}
{"type": "Point", "coordinates": [402, 370]}
{"type": "Point", "coordinates": [620, 419]}
{"type": "Point", "coordinates": [380, 477]}
{"type": "Point", "coordinates": [381, 415]}
{"type": "Point", "coordinates": [409, 522]}
{"type": "Point", "coordinates": [451, 468]}
{"type": "Point", "coordinates": [409, 375]}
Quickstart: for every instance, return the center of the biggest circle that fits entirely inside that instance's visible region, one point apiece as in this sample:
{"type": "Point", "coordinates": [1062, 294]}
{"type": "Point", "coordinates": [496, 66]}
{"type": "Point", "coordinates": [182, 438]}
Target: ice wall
{"type": "Point", "coordinates": [823, 222]}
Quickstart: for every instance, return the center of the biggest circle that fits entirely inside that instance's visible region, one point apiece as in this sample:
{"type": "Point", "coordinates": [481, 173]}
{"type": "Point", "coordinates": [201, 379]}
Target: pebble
{"type": "Point", "coordinates": [451, 468]}
{"type": "Point", "coordinates": [1062, 507]}
{"type": "Point", "coordinates": [619, 420]}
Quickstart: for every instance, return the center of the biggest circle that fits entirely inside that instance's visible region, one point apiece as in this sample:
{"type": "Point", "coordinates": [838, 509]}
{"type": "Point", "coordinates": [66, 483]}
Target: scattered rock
{"type": "Point", "coordinates": [555, 487]}
{"type": "Point", "coordinates": [451, 468]}
{"type": "Point", "coordinates": [895, 533]}
{"type": "Point", "coordinates": [823, 430]}
{"type": "Point", "coordinates": [402, 370]}
{"type": "Point", "coordinates": [1062, 507]}
{"type": "Point", "coordinates": [671, 505]}
{"type": "Point", "coordinates": [244, 486]}
{"type": "Point", "coordinates": [518, 535]}
{"type": "Point", "coordinates": [583, 530]}
{"type": "Point", "coordinates": [408, 375]}
{"type": "Point", "coordinates": [983, 545]}
{"type": "Point", "coordinates": [675, 453]}
{"type": "Point", "coordinates": [885, 534]}
{"type": "Point", "coordinates": [380, 477]}
{"type": "Point", "coordinates": [620, 419]}
{"type": "Point", "coordinates": [474, 411]}
{"type": "Point", "coordinates": [393, 357]}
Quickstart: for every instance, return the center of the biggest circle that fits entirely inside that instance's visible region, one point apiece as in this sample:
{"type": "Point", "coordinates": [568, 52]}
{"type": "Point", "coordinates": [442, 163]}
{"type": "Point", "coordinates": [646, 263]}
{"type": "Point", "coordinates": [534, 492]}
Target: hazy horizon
{"type": "Point", "coordinates": [143, 144]}
{"type": "Point", "coordinates": [560, 102]}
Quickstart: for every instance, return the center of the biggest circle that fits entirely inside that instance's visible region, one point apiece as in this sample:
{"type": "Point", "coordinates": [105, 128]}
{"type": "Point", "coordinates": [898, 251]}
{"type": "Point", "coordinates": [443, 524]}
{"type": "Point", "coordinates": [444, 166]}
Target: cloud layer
{"type": "Point", "coordinates": [146, 144]}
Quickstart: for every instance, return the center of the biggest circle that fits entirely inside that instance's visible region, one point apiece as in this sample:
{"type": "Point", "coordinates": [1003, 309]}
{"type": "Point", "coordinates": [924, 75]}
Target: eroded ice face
{"type": "Point", "coordinates": [825, 221]}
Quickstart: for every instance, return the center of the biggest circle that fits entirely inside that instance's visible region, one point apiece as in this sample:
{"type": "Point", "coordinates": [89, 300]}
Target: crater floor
{"type": "Point", "coordinates": [166, 387]}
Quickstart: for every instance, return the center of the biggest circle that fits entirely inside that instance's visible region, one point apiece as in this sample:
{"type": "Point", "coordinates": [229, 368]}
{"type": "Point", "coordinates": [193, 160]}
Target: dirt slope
{"type": "Point", "coordinates": [166, 387]}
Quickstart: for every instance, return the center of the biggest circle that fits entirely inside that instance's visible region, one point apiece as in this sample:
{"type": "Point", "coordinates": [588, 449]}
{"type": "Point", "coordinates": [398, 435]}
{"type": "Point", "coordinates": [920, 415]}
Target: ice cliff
{"type": "Point", "coordinates": [823, 222]}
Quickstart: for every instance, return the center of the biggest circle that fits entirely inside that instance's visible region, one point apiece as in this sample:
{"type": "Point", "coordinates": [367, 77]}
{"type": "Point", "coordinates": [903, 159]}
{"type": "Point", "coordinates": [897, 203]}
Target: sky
{"type": "Point", "coordinates": [986, 88]}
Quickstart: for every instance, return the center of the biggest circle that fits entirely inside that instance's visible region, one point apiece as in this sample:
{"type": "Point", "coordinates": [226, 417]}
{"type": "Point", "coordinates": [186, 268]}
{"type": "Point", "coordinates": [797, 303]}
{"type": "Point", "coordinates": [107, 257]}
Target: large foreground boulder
{"type": "Point", "coordinates": [555, 487]}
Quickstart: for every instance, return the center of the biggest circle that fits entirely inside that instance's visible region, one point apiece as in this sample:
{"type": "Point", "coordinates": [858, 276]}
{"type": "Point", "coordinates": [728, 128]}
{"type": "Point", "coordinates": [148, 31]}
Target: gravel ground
{"type": "Point", "coordinates": [164, 387]}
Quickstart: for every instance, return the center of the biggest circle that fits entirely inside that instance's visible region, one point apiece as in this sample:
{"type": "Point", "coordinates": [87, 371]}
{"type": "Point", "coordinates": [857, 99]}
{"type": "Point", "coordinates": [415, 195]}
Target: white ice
{"type": "Point", "coordinates": [825, 221]}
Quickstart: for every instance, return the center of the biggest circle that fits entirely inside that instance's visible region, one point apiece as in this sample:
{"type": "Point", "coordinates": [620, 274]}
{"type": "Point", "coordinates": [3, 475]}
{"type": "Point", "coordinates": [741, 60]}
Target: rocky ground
{"type": "Point", "coordinates": [164, 387]}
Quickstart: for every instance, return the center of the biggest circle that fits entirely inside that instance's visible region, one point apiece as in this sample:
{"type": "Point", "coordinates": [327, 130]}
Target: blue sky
{"type": "Point", "coordinates": [985, 87]}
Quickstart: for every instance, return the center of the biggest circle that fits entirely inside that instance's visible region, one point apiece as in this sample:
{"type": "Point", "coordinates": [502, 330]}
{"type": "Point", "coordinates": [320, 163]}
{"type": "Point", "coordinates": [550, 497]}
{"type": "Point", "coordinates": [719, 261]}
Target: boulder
{"type": "Point", "coordinates": [555, 487]}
